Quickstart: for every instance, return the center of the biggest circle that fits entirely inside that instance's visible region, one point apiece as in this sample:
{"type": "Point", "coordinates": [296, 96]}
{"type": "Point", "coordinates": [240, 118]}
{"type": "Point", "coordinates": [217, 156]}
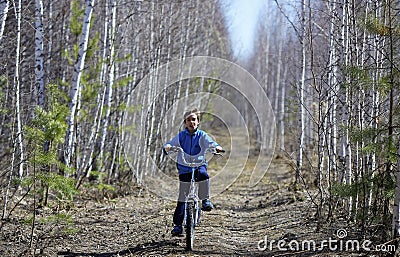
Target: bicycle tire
{"type": "Point", "coordinates": [189, 226]}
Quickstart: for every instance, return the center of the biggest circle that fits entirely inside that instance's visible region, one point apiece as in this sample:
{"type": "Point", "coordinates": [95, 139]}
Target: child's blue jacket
{"type": "Point", "coordinates": [192, 144]}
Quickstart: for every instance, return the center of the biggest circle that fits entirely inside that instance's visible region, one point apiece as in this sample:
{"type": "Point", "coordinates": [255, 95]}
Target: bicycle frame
{"type": "Point", "coordinates": [192, 201]}
{"type": "Point", "coordinates": [193, 197]}
{"type": "Point", "coordinates": [192, 212]}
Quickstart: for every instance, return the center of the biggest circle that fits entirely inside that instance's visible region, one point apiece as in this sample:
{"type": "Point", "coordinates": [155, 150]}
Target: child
{"type": "Point", "coordinates": [194, 142]}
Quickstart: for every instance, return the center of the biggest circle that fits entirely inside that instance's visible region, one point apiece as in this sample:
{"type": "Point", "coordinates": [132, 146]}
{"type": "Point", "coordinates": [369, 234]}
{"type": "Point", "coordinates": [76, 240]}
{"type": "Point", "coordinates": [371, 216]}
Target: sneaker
{"type": "Point", "coordinates": [207, 205]}
{"type": "Point", "coordinates": [177, 231]}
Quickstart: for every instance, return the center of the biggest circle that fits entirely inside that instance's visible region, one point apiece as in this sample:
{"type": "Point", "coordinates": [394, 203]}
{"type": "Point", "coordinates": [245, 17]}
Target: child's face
{"type": "Point", "coordinates": [192, 122]}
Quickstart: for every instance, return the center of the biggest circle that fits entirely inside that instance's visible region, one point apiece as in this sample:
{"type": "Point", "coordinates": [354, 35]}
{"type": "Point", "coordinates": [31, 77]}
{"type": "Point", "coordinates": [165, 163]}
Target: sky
{"type": "Point", "coordinates": [242, 18]}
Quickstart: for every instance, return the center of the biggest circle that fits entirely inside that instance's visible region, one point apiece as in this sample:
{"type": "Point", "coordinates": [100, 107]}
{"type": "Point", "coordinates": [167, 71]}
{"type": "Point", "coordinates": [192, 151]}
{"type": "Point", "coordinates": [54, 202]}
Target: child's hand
{"type": "Point", "coordinates": [167, 147]}
{"type": "Point", "coordinates": [219, 149]}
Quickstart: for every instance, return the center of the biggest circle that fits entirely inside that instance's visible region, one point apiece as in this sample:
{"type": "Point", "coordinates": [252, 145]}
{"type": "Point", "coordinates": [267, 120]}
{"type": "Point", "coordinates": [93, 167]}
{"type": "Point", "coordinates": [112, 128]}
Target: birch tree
{"type": "Point", "coordinates": [50, 32]}
{"type": "Point", "coordinates": [300, 91]}
{"type": "Point", "coordinates": [17, 87]}
{"type": "Point", "coordinates": [279, 109]}
{"type": "Point", "coordinates": [110, 71]}
{"type": "Point", "coordinates": [39, 66]}
{"type": "Point", "coordinates": [76, 86]}
{"type": "Point", "coordinates": [4, 5]}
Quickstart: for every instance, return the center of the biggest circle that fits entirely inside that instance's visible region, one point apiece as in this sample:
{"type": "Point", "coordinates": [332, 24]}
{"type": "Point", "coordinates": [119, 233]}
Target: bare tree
{"type": "Point", "coordinates": [4, 5]}
{"type": "Point", "coordinates": [110, 71]}
{"type": "Point", "coordinates": [76, 86]}
{"type": "Point", "coordinates": [39, 58]}
{"type": "Point", "coordinates": [300, 90]}
{"type": "Point", "coordinates": [17, 88]}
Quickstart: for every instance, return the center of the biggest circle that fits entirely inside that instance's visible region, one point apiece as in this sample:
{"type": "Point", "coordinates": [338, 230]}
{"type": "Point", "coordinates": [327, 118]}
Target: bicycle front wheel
{"type": "Point", "coordinates": [189, 226]}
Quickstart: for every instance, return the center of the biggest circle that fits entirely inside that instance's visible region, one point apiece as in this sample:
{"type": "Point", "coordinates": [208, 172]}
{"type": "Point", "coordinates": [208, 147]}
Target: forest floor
{"type": "Point", "coordinates": [244, 219]}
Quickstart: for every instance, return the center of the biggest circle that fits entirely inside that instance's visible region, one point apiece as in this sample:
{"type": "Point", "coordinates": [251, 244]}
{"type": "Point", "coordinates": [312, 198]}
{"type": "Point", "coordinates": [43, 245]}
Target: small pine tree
{"type": "Point", "coordinates": [45, 134]}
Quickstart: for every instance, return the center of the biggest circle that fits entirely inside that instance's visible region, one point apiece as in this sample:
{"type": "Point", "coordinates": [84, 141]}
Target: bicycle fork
{"type": "Point", "coordinates": [194, 202]}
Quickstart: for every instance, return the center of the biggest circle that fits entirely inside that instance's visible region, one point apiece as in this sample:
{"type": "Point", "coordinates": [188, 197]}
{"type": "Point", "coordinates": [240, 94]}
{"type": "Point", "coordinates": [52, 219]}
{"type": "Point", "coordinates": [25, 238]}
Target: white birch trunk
{"type": "Point", "coordinates": [346, 144]}
{"type": "Point", "coordinates": [87, 155]}
{"type": "Point", "coordinates": [206, 46]}
{"type": "Point", "coordinates": [39, 69]}
{"type": "Point", "coordinates": [183, 43]}
{"type": "Point", "coordinates": [322, 128]}
{"type": "Point", "coordinates": [110, 77]}
{"type": "Point", "coordinates": [300, 90]}
{"type": "Point", "coordinates": [266, 68]}
{"type": "Point", "coordinates": [282, 112]}
{"type": "Point", "coordinates": [363, 119]}
{"type": "Point", "coordinates": [150, 92]}
{"type": "Point", "coordinates": [4, 5]}
{"type": "Point", "coordinates": [114, 170]}
{"type": "Point", "coordinates": [103, 72]}
{"type": "Point", "coordinates": [70, 148]}
{"type": "Point", "coordinates": [137, 146]}
{"type": "Point", "coordinates": [17, 86]}
{"type": "Point", "coordinates": [192, 30]}
{"type": "Point", "coordinates": [169, 40]}
{"type": "Point", "coordinates": [161, 29]}
{"type": "Point", "coordinates": [137, 160]}
{"type": "Point", "coordinates": [333, 95]}
{"type": "Point", "coordinates": [278, 86]}
{"type": "Point", "coordinates": [49, 42]}
{"type": "Point", "coordinates": [374, 110]}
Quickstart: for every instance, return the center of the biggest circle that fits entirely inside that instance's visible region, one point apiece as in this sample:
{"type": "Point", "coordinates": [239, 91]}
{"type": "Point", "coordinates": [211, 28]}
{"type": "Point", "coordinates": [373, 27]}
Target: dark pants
{"type": "Point", "coordinates": [202, 178]}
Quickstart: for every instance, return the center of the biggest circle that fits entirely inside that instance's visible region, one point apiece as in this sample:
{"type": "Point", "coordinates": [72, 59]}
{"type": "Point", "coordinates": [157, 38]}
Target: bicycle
{"type": "Point", "coordinates": [192, 201]}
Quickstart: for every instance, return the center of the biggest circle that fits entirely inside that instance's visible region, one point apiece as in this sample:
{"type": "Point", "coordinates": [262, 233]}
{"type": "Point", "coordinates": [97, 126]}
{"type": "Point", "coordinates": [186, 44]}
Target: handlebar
{"type": "Point", "coordinates": [212, 150]}
{"type": "Point", "coordinates": [194, 160]}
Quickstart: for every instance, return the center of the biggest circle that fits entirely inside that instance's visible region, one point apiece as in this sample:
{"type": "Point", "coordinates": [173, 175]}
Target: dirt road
{"type": "Point", "coordinates": [139, 225]}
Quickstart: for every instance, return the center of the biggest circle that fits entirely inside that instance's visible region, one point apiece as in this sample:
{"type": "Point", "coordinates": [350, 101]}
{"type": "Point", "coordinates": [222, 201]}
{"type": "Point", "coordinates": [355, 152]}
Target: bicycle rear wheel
{"type": "Point", "coordinates": [189, 226]}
